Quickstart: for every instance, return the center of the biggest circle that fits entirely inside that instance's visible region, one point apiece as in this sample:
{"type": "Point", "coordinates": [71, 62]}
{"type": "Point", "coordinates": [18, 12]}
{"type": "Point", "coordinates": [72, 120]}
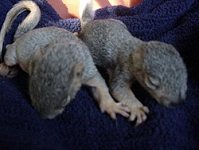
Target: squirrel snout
{"type": "Point", "coordinates": [51, 114]}
{"type": "Point", "coordinates": [171, 101]}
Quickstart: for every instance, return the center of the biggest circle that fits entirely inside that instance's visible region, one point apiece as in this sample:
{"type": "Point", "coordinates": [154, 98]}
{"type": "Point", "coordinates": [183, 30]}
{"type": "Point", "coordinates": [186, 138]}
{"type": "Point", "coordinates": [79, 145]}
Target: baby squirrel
{"type": "Point", "coordinates": [58, 63]}
{"type": "Point", "coordinates": [157, 66]}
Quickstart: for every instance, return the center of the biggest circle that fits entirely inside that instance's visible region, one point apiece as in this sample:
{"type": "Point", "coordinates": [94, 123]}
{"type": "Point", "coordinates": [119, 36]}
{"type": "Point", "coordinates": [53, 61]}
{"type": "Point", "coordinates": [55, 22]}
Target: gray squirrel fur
{"type": "Point", "coordinates": [57, 62]}
{"type": "Point", "coordinates": [157, 66]}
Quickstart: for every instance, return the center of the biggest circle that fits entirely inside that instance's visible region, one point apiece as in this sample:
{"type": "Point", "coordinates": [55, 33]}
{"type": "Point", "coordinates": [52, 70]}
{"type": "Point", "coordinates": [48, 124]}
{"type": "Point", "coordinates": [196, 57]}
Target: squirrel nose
{"type": "Point", "coordinates": [173, 102]}
{"type": "Point", "coordinates": [182, 96]}
{"type": "Point", "coordinates": [170, 101]}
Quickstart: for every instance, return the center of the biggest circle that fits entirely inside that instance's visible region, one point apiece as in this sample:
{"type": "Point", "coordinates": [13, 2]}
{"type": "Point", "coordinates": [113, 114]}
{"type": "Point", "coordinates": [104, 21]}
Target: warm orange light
{"type": "Point", "coordinates": [70, 8]}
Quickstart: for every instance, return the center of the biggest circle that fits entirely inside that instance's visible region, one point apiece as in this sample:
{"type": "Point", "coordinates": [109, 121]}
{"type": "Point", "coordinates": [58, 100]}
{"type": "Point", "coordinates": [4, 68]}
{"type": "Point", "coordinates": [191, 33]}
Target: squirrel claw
{"type": "Point", "coordinates": [139, 113]}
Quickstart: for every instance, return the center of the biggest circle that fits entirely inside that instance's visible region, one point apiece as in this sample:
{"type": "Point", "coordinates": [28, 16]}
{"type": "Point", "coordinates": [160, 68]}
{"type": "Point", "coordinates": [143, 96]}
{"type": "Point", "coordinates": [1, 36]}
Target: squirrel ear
{"type": "Point", "coordinates": [137, 57]}
{"type": "Point", "coordinates": [151, 82]}
{"type": "Point", "coordinates": [66, 101]}
{"type": "Point", "coordinates": [78, 70]}
{"type": "Point", "coordinates": [75, 80]}
{"type": "Point", "coordinates": [76, 33]}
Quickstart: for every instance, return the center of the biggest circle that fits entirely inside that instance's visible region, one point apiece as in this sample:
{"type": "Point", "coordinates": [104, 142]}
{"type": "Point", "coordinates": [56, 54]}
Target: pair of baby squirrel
{"type": "Point", "coordinates": [60, 63]}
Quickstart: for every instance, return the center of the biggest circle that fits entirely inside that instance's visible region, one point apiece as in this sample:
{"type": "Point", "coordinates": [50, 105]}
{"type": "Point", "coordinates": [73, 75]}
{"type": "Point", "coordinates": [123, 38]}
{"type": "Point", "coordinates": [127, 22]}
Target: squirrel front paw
{"type": "Point", "coordinates": [139, 113]}
{"type": "Point", "coordinates": [112, 108]}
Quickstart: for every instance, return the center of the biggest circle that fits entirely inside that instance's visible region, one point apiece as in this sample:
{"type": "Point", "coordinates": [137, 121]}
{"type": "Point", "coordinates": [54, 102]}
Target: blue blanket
{"type": "Point", "coordinates": [82, 125]}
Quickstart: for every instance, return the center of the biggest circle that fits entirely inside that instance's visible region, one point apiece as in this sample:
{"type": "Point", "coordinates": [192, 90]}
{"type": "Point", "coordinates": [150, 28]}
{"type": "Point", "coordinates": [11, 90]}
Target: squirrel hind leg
{"type": "Point", "coordinates": [8, 67]}
{"type": "Point", "coordinates": [7, 71]}
{"type": "Point", "coordinates": [10, 57]}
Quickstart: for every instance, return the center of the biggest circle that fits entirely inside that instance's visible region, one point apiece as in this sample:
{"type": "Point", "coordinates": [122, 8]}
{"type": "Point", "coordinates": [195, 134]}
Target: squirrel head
{"type": "Point", "coordinates": [160, 69]}
{"type": "Point", "coordinates": [55, 79]}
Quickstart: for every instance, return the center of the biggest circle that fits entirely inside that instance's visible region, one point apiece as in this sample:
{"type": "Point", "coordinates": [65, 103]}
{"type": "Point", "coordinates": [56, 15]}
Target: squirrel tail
{"type": "Point", "coordinates": [27, 24]}
{"type": "Point", "coordinates": [86, 11]}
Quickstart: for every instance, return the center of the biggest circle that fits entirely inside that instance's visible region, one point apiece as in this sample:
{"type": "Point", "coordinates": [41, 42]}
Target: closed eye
{"type": "Point", "coordinates": [152, 82]}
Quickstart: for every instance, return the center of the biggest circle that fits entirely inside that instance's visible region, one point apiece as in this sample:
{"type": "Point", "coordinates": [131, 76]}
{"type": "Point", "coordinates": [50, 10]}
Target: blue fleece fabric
{"type": "Point", "coordinates": [82, 125]}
